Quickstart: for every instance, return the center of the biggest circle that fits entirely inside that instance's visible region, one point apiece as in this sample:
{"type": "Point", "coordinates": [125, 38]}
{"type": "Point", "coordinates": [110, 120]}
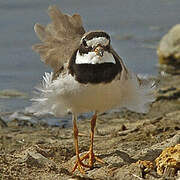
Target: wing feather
{"type": "Point", "coordinates": [59, 38]}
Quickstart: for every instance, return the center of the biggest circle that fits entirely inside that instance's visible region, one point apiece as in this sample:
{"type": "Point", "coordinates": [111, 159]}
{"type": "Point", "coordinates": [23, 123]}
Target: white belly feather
{"type": "Point", "coordinates": [66, 94]}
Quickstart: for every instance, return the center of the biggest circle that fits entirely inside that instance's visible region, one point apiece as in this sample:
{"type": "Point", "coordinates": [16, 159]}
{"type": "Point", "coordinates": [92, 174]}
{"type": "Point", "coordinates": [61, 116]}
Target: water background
{"type": "Point", "coordinates": [136, 26]}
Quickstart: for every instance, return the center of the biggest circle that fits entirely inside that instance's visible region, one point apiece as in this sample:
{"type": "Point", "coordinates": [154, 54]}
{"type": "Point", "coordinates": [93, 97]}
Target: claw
{"type": "Point", "coordinates": [79, 164]}
{"type": "Point", "coordinates": [91, 157]}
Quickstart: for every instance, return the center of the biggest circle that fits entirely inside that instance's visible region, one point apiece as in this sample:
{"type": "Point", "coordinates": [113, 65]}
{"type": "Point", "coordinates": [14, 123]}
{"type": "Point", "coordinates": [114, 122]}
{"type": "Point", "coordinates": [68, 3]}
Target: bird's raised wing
{"type": "Point", "coordinates": [59, 38]}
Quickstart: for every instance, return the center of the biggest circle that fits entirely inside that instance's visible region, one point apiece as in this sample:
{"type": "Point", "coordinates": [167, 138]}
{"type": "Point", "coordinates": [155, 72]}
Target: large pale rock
{"type": "Point", "coordinates": [169, 160]}
{"type": "Point", "coordinates": [169, 47]}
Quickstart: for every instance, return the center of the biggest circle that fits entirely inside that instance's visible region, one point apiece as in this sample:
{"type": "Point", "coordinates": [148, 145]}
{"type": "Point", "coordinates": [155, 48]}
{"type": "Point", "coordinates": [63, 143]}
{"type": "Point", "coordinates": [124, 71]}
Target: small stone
{"type": "Point", "coordinates": [146, 164]}
{"type": "Point", "coordinates": [38, 160]}
{"type": "Point", "coordinates": [3, 124]}
{"type": "Point", "coordinates": [123, 127]}
{"type": "Point", "coordinates": [134, 171]}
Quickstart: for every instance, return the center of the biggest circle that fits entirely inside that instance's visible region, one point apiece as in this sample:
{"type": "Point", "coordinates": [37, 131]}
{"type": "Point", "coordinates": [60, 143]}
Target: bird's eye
{"type": "Point", "coordinates": [84, 43]}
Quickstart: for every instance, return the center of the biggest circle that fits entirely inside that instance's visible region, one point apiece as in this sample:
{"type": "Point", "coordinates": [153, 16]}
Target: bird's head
{"type": "Point", "coordinates": [94, 60]}
{"type": "Point", "coordinates": [94, 48]}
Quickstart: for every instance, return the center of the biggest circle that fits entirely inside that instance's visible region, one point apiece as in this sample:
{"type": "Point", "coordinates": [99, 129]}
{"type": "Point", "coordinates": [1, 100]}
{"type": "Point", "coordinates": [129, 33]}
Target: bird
{"type": "Point", "coordinates": [88, 76]}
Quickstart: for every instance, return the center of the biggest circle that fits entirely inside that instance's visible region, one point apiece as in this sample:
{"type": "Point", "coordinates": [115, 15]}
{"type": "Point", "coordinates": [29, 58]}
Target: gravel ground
{"type": "Point", "coordinates": [128, 142]}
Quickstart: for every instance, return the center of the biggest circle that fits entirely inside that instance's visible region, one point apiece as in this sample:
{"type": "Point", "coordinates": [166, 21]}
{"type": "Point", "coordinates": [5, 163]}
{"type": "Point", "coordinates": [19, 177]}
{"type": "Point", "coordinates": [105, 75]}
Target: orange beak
{"type": "Point", "coordinates": [99, 51]}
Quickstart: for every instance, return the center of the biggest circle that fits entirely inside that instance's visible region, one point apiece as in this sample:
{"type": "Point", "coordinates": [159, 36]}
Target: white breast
{"type": "Point", "coordinates": [92, 58]}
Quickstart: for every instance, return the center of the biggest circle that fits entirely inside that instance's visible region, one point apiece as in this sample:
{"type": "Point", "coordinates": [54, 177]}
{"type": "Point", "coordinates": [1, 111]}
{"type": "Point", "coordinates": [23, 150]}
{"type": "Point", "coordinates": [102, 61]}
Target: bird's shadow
{"type": "Point", "coordinates": [150, 155]}
{"type": "Point", "coordinates": [123, 155]}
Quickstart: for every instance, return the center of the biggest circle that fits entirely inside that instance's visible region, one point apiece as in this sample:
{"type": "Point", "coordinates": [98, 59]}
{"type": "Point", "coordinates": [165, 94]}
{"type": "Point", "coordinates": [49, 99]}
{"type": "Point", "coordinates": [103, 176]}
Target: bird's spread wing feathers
{"type": "Point", "coordinates": [59, 38]}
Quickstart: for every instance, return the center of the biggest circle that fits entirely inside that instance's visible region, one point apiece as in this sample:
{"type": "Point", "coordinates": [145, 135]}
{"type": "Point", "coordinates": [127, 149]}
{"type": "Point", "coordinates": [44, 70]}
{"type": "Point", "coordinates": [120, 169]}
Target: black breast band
{"type": "Point", "coordinates": [94, 73]}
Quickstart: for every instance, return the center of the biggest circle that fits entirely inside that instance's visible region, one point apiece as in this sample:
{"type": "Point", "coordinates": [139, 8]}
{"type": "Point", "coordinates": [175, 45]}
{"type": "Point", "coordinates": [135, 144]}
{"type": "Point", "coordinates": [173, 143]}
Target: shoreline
{"type": "Point", "coordinates": [34, 151]}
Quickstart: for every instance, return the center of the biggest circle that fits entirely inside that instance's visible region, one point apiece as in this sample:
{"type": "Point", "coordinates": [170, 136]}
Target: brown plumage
{"type": "Point", "coordinates": [59, 38]}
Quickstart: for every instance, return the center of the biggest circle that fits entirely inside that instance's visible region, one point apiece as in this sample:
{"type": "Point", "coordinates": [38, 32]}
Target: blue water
{"type": "Point", "coordinates": [136, 26]}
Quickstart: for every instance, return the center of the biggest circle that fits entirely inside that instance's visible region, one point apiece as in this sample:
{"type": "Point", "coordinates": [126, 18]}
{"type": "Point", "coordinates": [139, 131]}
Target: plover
{"type": "Point", "coordinates": [88, 76]}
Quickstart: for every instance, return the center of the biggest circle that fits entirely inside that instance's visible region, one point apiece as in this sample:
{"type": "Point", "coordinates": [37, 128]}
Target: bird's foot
{"type": "Point", "coordinates": [79, 164]}
{"type": "Point", "coordinates": [91, 157]}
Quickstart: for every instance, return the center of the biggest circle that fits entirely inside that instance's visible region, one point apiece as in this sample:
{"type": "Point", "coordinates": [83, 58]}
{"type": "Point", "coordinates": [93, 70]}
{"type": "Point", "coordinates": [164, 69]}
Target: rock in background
{"type": "Point", "coordinates": [169, 50]}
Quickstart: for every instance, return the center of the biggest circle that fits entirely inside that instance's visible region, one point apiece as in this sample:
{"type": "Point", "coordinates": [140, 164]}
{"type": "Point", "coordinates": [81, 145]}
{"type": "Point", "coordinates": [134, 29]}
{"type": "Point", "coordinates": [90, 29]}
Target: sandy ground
{"type": "Point", "coordinates": [33, 151]}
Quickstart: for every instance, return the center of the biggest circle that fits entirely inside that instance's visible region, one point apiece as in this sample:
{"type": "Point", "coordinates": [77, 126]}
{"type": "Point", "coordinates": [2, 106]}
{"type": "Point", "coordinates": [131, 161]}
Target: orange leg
{"type": "Point", "coordinates": [79, 163]}
{"type": "Point", "coordinates": [90, 155]}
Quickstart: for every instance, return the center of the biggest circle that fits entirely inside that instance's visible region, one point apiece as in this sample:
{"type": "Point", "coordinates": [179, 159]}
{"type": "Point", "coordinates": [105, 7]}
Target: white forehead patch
{"type": "Point", "coordinates": [97, 40]}
{"type": "Point", "coordinates": [92, 58]}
